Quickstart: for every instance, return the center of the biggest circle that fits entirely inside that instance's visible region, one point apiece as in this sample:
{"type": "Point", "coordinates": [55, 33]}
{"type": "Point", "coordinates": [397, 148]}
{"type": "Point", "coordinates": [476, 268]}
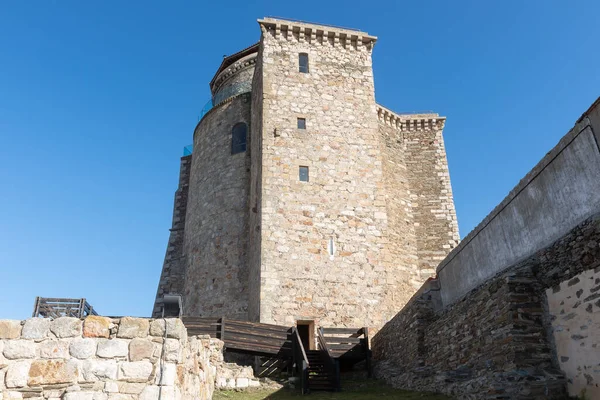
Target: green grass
{"type": "Point", "coordinates": [357, 390]}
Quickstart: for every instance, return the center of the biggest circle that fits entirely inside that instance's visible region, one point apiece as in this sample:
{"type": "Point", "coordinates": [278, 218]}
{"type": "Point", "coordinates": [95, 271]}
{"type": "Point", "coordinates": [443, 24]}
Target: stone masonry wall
{"type": "Point", "coordinates": [216, 230]}
{"type": "Point", "coordinates": [173, 271]}
{"type": "Point", "coordinates": [436, 226]}
{"type": "Point", "coordinates": [509, 337]}
{"type": "Point", "coordinates": [344, 200]}
{"type": "Point", "coordinates": [400, 233]}
{"type": "Point", "coordinates": [255, 201]}
{"type": "Point", "coordinates": [103, 358]}
{"type": "Point", "coordinates": [574, 308]}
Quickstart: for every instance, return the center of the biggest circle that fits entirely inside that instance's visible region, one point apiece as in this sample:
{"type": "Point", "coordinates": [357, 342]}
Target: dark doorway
{"type": "Point", "coordinates": [304, 333]}
{"type": "Point", "coordinates": [306, 330]}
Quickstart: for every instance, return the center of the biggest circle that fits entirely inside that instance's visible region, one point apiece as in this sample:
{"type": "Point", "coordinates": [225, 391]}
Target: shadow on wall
{"type": "Point", "coordinates": [519, 299]}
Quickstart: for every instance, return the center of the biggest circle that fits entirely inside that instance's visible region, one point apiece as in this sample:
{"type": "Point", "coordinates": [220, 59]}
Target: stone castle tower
{"type": "Point", "coordinates": [304, 199]}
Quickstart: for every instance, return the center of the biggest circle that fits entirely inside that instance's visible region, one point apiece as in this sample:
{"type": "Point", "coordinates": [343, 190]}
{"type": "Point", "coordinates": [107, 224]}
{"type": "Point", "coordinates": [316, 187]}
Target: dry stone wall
{"type": "Point", "coordinates": [103, 358]}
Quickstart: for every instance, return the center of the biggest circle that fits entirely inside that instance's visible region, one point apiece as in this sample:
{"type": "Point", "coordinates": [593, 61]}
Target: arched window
{"type": "Point", "coordinates": [303, 63]}
{"type": "Point", "coordinates": [238, 138]}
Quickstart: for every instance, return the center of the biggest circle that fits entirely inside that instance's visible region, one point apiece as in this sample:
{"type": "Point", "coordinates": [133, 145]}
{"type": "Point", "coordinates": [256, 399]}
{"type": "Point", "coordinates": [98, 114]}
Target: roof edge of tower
{"type": "Point", "coordinates": [227, 61]}
{"type": "Point", "coordinates": [424, 120]}
{"type": "Point", "coordinates": [303, 26]}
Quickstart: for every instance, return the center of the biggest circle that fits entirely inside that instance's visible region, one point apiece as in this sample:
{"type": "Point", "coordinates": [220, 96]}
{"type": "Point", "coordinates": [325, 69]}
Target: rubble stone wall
{"type": "Point", "coordinates": [102, 358]}
{"type": "Point", "coordinates": [527, 332]}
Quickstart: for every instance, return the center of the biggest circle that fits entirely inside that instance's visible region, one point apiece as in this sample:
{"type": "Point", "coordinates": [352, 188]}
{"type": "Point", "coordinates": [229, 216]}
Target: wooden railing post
{"type": "Point", "coordinates": [368, 352]}
{"type": "Point", "coordinates": [223, 329]}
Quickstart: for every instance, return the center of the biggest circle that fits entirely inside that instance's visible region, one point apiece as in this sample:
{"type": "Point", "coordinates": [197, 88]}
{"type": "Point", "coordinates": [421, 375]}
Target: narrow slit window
{"type": "Point", "coordinates": [304, 174]}
{"type": "Point", "coordinates": [301, 123]}
{"type": "Point", "coordinates": [303, 62]}
{"type": "Point", "coordinates": [239, 134]}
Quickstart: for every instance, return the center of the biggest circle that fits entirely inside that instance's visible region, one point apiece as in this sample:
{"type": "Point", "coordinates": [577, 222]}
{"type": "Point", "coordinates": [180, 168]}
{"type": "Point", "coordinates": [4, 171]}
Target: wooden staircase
{"type": "Point", "coordinates": [281, 349]}
{"type": "Point", "coordinates": [320, 377]}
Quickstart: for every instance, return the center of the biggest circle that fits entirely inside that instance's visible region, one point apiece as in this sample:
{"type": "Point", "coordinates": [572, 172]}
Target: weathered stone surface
{"type": "Point", "coordinates": [140, 349]}
{"type": "Point", "coordinates": [17, 374]}
{"type": "Point", "coordinates": [167, 375]}
{"type": "Point", "coordinates": [54, 349]}
{"type": "Point", "coordinates": [52, 372]}
{"type": "Point", "coordinates": [95, 370]}
{"type": "Point", "coordinates": [66, 327]}
{"type": "Point", "coordinates": [96, 327]}
{"type": "Point", "coordinates": [172, 350]}
{"type": "Point", "coordinates": [137, 371]}
{"type": "Point", "coordinates": [10, 329]}
{"type": "Point", "coordinates": [82, 348]}
{"type": "Point", "coordinates": [36, 328]}
{"type": "Point", "coordinates": [17, 349]}
{"type": "Point", "coordinates": [152, 393]}
{"type": "Point", "coordinates": [111, 387]}
{"type": "Point", "coordinates": [175, 328]}
{"type": "Point", "coordinates": [133, 328]}
{"type": "Point", "coordinates": [120, 396]}
{"type": "Point", "coordinates": [85, 396]}
{"type": "Point", "coordinates": [131, 388]}
{"type": "Point", "coordinates": [110, 348]}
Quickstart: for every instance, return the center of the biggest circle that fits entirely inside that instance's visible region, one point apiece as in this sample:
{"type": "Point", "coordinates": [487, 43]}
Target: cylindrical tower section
{"type": "Point", "coordinates": [216, 229]}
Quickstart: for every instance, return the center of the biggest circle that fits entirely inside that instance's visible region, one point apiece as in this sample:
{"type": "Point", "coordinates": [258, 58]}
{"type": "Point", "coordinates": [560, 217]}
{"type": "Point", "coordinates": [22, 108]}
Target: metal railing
{"type": "Point", "coordinates": [60, 307]}
{"type": "Point", "coordinates": [224, 94]}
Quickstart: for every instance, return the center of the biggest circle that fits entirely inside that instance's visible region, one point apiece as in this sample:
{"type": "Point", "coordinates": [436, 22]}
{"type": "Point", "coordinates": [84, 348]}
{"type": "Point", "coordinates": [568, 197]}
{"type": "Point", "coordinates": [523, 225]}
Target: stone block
{"type": "Point", "coordinates": [94, 370]}
{"type": "Point", "coordinates": [54, 349]}
{"type": "Point", "coordinates": [155, 393]}
{"type": "Point", "coordinates": [49, 372]}
{"type": "Point", "coordinates": [131, 388]}
{"type": "Point", "coordinates": [172, 350]}
{"type": "Point", "coordinates": [167, 375]}
{"type": "Point", "coordinates": [130, 328]}
{"type": "Point", "coordinates": [120, 396]}
{"type": "Point", "coordinates": [96, 327]}
{"type": "Point", "coordinates": [253, 383]}
{"type": "Point", "coordinates": [241, 383]}
{"type": "Point", "coordinates": [36, 328]}
{"type": "Point", "coordinates": [137, 371]}
{"type": "Point", "coordinates": [175, 328]}
{"type": "Point", "coordinates": [110, 348]}
{"type": "Point", "coordinates": [82, 348]}
{"type": "Point", "coordinates": [111, 387]}
{"type": "Point", "coordinates": [66, 327]}
{"type": "Point", "coordinates": [10, 329]}
{"type": "Point", "coordinates": [17, 374]}
{"type": "Point", "coordinates": [140, 349]}
{"type": "Point", "coordinates": [85, 396]}
{"type": "Point", "coordinates": [19, 349]}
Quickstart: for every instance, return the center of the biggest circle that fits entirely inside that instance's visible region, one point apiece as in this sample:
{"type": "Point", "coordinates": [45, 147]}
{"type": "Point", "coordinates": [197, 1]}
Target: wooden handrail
{"type": "Point", "coordinates": [334, 365]}
{"type": "Point", "coordinates": [301, 360]}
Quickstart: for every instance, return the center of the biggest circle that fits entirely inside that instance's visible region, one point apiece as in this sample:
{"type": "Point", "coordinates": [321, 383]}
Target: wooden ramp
{"type": "Point", "coordinates": [244, 337]}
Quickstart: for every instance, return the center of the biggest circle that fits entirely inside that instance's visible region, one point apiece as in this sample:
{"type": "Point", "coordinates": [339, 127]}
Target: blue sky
{"type": "Point", "coordinates": [97, 100]}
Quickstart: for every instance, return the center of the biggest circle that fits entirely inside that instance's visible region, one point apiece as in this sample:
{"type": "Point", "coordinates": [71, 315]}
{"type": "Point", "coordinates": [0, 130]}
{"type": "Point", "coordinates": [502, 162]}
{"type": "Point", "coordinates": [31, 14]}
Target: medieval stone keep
{"type": "Point", "coordinates": [304, 199]}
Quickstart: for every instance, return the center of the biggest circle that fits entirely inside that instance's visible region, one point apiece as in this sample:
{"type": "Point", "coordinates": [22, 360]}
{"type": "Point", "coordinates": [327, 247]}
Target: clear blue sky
{"type": "Point", "coordinates": [97, 100]}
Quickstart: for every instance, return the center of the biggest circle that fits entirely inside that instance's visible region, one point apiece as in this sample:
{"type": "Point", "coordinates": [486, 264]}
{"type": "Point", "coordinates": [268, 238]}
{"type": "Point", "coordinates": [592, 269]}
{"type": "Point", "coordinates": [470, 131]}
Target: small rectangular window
{"type": "Point", "coordinates": [303, 62]}
{"type": "Point", "coordinates": [301, 123]}
{"type": "Point", "coordinates": [304, 174]}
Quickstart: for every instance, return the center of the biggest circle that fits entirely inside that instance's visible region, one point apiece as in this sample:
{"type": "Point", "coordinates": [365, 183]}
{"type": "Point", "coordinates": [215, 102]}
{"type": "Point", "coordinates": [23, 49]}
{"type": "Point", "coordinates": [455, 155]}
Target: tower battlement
{"type": "Point", "coordinates": [304, 32]}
